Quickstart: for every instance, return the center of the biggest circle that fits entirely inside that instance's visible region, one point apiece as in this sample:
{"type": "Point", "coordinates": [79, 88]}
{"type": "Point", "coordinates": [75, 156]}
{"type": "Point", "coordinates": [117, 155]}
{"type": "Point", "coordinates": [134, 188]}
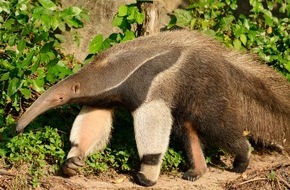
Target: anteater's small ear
{"type": "Point", "coordinates": [76, 88]}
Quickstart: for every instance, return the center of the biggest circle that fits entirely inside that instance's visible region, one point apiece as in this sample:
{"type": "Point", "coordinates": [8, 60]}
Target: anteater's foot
{"type": "Point", "coordinates": [71, 166]}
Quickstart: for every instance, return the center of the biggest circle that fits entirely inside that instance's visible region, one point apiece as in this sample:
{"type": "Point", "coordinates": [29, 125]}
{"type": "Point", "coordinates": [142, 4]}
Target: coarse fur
{"type": "Point", "coordinates": [90, 132]}
{"type": "Point", "coordinates": [181, 80]}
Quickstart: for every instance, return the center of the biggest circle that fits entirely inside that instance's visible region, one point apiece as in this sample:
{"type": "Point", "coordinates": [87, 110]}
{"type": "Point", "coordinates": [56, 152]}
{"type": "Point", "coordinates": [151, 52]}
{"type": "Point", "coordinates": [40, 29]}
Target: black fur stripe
{"type": "Point", "coordinates": [151, 159]}
{"type": "Point", "coordinates": [142, 180]}
{"type": "Point", "coordinates": [73, 144]}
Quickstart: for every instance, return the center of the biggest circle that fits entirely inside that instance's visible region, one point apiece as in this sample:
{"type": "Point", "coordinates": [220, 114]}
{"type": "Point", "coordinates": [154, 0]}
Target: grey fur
{"type": "Point", "coordinates": [220, 92]}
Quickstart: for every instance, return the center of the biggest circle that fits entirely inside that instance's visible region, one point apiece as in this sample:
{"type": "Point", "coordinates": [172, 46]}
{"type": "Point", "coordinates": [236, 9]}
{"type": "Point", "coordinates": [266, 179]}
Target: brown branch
{"type": "Point", "coordinates": [284, 182]}
{"type": "Point", "coordinates": [252, 180]}
{"type": "Point", "coordinates": [278, 182]}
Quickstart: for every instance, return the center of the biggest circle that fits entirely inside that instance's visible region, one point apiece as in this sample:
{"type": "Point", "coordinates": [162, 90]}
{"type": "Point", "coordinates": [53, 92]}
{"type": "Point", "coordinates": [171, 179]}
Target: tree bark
{"type": "Point", "coordinates": [151, 21]}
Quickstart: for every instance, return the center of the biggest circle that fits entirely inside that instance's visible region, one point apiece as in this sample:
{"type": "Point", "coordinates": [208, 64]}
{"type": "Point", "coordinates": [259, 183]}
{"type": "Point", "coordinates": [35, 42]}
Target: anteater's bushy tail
{"type": "Point", "coordinates": [265, 102]}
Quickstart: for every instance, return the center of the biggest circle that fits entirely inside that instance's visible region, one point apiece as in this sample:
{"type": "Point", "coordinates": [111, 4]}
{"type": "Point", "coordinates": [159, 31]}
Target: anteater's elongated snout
{"type": "Point", "coordinates": [41, 105]}
{"type": "Point", "coordinates": [56, 96]}
{"type": "Point", "coordinates": [19, 128]}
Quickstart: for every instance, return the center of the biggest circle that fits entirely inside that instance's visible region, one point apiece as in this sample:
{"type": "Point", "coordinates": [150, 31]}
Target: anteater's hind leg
{"type": "Point", "coordinates": [194, 153]}
{"type": "Point", "coordinates": [242, 149]}
{"type": "Point", "coordinates": [152, 125]}
{"type": "Point", "coordinates": [90, 132]}
{"type": "Point", "coordinates": [232, 141]}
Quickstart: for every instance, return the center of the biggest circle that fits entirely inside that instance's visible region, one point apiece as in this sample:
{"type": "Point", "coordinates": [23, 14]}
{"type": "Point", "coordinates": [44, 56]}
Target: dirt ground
{"type": "Point", "coordinates": [266, 171]}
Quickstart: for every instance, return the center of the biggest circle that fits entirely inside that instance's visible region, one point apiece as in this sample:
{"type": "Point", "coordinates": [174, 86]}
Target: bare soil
{"type": "Point", "coordinates": [265, 171]}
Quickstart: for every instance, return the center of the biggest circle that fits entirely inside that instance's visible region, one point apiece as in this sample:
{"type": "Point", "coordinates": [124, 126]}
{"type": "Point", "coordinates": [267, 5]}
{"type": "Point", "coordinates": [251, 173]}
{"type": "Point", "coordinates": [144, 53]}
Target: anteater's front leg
{"type": "Point", "coordinates": [152, 125]}
{"type": "Point", "coordinates": [90, 133]}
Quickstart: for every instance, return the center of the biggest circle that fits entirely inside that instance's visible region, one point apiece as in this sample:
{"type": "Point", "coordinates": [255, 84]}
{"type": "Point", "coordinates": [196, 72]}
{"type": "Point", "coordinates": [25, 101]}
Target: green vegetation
{"type": "Point", "coordinates": [265, 31]}
{"type": "Point", "coordinates": [31, 61]}
{"type": "Point", "coordinates": [127, 19]}
{"type": "Point", "coordinates": [30, 58]}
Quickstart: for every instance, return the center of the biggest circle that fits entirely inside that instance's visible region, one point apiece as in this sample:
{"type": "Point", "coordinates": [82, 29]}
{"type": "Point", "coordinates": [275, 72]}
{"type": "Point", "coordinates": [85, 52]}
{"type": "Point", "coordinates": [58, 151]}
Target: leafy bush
{"type": "Point", "coordinates": [30, 58]}
{"type": "Point", "coordinates": [42, 150]}
{"type": "Point", "coordinates": [127, 19]}
{"type": "Point", "coordinates": [172, 161]}
{"type": "Point", "coordinates": [30, 61]}
{"type": "Point", "coordinates": [260, 32]}
{"type": "Point", "coordinates": [36, 146]}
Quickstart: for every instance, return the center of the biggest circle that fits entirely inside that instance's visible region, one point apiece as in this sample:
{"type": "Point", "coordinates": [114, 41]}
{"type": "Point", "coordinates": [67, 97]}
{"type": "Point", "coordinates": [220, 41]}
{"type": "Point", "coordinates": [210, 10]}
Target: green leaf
{"type": "Point", "coordinates": [96, 44]}
{"type": "Point", "coordinates": [172, 22]}
{"type": "Point", "coordinates": [44, 58]}
{"type": "Point", "coordinates": [287, 66]}
{"type": "Point", "coordinates": [237, 44]}
{"type": "Point", "coordinates": [140, 18]}
{"type": "Point", "coordinates": [52, 63]}
{"type": "Point", "coordinates": [37, 12]}
{"type": "Point", "coordinates": [47, 47]}
{"type": "Point", "coordinates": [74, 22]}
{"type": "Point", "coordinates": [26, 93]}
{"type": "Point", "coordinates": [51, 74]}
{"type": "Point", "coordinates": [257, 6]}
{"type": "Point", "coordinates": [5, 76]}
{"type": "Point", "coordinates": [22, 19]}
{"type": "Point", "coordinates": [132, 13]}
{"type": "Point", "coordinates": [12, 40]}
{"type": "Point", "coordinates": [205, 24]}
{"type": "Point", "coordinates": [36, 63]}
{"type": "Point", "coordinates": [192, 23]}
{"type": "Point", "coordinates": [123, 10]}
{"type": "Point", "coordinates": [41, 73]}
{"type": "Point", "coordinates": [38, 85]}
{"type": "Point", "coordinates": [54, 22]}
{"type": "Point", "coordinates": [47, 4]}
{"type": "Point", "coordinates": [27, 61]}
{"type": "Point", "coordinates": [9, 24]}
{"type": "Point", "coordinates": [46, 20]}
{"type": "Point", "coordinates": [63, 71]}
{"type": "Point", "coordinates": [117, 21]}
{"type": "Point", "coordinates": [13, 86]}
{"type": "Point", "coordinates": [75, 11]}
{"type": "Point", "coordinates": [268, 18]}
{"type": "Point", "coordinates": [129, 35]}
{"type": "Point", "coordinates": [70, 12]}
{"type": "Point", "coordinates": [183, 17]}
{"type": "Point", "coordinates": [21, 45]}
{"type": "Point", "coordinates": [23, 7]}
{"type": "Point", "coordinates": [107, 43]}
{"type": "Point", "coordinates": [246, 23]}
{"type": "Point", "coordinates": [243, 39]}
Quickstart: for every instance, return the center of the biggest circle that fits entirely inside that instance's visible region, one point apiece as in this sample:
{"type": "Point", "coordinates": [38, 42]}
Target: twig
{"type": "Point", "coordinates": [278, 182]}
{"type": "Point", "coordinates": [283, 181]}
{"type": "Point", "coordinates": [251, 180]}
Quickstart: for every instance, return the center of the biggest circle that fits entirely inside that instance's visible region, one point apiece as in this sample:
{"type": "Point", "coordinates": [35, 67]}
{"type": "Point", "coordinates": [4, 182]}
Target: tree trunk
{"type": "Point", "coordinates": [151, 21]}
